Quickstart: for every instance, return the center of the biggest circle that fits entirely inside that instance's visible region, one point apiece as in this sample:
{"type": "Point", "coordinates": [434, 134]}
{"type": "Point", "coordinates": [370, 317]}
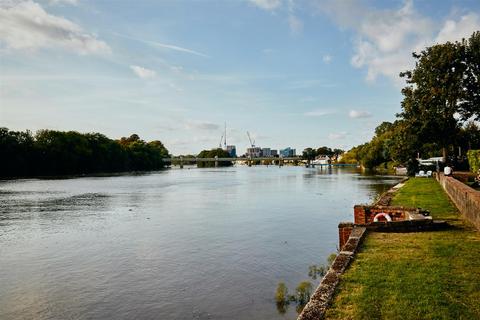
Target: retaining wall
{"type": "Point", "coordinates": [465, 198]}
{"type": "Point", "coordinates": [365, 214]}
{"type": "Point", "coordinates": [322, 297]}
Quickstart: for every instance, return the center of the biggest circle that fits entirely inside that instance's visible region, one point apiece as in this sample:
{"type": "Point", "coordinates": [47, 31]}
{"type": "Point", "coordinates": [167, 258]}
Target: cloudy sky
{"type": "Point", "coordinates": [293, 73]}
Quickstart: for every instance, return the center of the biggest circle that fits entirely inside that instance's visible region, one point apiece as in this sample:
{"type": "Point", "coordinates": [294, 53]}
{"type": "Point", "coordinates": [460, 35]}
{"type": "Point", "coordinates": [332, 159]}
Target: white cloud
{"type": "Point", "coordinates": [386, 38]}
{"type": "Point", "coordinates": [143, 73]}
{"type": "Point", "coordinates": [269, 5]}
{"type": "Point", "coordinates": [156, 44]}
{"type": "Point", "coordinates": [337, 135]}
{"type": "Point", "coordinates": [357, 114]}
{"type": "Point", "coordinates": [454, 31]}
{"type": "Point", "coordinates": [327, 59]}
{"type": "Point", "coordinates": [176, 48]}
{"type": "Point", "coordinates": [62, 2]}
{"type": "Point", "coordinates": [318, 113]}
{"type": "Point", "coordinates": [27, 26]}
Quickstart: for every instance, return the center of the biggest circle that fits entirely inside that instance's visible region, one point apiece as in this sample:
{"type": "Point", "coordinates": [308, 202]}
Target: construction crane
{"type": "Point", "coordinates": [220, 143]}
{"type": "Point", "coordinates": [225, 135]}
{"type": "Point", "coordinates": [250, 138]}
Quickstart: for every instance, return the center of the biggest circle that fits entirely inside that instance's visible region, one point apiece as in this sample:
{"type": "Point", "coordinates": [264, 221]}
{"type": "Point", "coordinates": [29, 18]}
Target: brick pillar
{"type": "Point", "coordinates": [359, 216]}
{"type": "Point", "coordinates": [344, 231]}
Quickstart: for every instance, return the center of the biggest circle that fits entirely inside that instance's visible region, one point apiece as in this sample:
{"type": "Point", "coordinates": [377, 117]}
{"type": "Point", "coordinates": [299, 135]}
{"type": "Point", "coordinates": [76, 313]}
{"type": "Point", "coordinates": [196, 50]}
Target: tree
{"type": "Point", "coordinates": [309, 154]}
{"type": "Point", "coordinates": [219, 153]}
{"type": "Point", "coordinates": [324, 151]}
{"type": "Point", "coordinates": [52, 152]}
{"type": "Point", "coordinates": [443, 91]}
{"type": "Point", "coordinates": [469, 107]}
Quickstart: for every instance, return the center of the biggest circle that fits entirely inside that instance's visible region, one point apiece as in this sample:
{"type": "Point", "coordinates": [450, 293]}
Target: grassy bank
{"type": "Point", "coordinates": [429, 275]}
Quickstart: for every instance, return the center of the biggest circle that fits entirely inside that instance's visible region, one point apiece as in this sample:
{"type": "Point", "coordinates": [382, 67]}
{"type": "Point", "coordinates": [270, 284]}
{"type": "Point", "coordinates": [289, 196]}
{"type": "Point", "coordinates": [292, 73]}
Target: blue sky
{"type": "Point", "coordinates": [293, 73]}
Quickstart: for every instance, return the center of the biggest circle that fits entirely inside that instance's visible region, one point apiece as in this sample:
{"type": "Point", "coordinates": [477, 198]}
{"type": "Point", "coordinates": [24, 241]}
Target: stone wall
{"type": "Point", "coordinates": [465, 198]}
{"type": "Point", "coordinates": [322, 297]}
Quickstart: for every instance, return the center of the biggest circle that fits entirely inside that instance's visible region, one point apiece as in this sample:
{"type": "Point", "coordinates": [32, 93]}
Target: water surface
{"type": "Point", "coordinates": [175, 244]}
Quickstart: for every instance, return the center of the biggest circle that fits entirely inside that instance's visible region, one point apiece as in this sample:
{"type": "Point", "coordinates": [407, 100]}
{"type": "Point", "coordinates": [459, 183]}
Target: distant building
{"type": "Point", "coordinates": [322, 159]}
{"type": "Point", "coordinates": [266, 152]}
{"type": "Point", "coordinates": [287, 152]}
{"type": "Point", "coordinates": [232, 151]}
{"type": "Point", "coordinates": [254, 152]}
{"type": "Point", "coordinates": [274, 153]}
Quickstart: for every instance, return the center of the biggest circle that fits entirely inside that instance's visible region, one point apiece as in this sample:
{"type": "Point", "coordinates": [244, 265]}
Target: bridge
{"type": "Point", "coordinates": [181, 161]}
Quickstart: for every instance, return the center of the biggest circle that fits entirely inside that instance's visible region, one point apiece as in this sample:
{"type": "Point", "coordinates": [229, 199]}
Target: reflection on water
{"type": "Point", "coordinates": [176, 244]}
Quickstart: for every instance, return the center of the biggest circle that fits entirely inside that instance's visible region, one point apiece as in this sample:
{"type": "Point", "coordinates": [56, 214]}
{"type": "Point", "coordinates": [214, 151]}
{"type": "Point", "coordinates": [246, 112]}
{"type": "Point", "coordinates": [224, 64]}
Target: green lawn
{"type": "Point", "coordinates": [429, 275]}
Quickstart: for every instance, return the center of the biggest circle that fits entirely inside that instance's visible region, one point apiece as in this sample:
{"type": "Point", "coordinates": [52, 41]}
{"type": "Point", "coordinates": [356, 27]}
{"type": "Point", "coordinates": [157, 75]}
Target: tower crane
{"type": "Point", "coordinates": [220, 143]}
{"type": "Point", "coordinates": [250, 138]}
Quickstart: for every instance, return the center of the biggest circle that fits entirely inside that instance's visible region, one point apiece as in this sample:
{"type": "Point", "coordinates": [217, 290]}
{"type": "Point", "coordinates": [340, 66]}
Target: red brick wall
{"type": "Point", "coordinates": [359, 214]}
{"type": "Point", "coordinates": [366, 214]}
{"type": "Point", "coordinates": [465, 198]}
{"type": "Point", "coordinates": [344, 231]}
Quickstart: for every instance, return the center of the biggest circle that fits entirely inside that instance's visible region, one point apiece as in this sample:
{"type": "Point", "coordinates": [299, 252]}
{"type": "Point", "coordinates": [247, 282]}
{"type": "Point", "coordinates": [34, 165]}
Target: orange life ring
{"type": "Point", "coordinates": [382, 214]}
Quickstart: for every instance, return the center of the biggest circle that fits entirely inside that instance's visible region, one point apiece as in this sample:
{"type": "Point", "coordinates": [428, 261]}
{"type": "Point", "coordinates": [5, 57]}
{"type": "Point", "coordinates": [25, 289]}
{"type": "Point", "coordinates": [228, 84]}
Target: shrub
{"type": "Point", "coordinates": [281, 295]}
{"type": "Point", "coordinates": [304, 290]}
{"type": "Point", "coordinates": [474, 160]}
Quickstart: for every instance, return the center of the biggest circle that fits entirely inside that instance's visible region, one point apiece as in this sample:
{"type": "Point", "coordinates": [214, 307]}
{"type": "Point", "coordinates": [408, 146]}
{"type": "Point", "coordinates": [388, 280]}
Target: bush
{"type": "Point", "coordinates": [474, 160]}
{"type": "Point", "coordinates": [304, 291]}
{"type": "Point", "coordinates": [281, 295]}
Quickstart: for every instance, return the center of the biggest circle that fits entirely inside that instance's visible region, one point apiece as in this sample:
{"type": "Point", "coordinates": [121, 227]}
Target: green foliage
{"type": "Point", "coordinates": [310, 153]}
{"type": "Point", "coordinates": [442, 93]}
{"type": "Point", "coordinates": [176, 159]}
{"type": "Point", "coordinates": [220, 153]}
{"type": "Point", "coordinates": [417, 275]}
{"type": "Point", "coordinates": [281, 295]}
{"type": "Point", "coordinates": [303, 292]}
{"type": "Point", "coordinates": [474, 160]}
{"type": "Point", "coordinates": [52, 152]}
{"type": "Point", "coordinates": [315, 271]}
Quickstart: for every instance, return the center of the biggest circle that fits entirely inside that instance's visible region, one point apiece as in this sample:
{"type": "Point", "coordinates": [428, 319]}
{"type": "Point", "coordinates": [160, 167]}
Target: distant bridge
{"type": "Point", "coordinates": [181, 161]}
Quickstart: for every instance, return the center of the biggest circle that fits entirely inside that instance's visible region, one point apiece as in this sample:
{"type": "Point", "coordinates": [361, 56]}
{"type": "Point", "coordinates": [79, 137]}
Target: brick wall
{"type": "Point", "coordinates": [344, 231]}
{"type": "Point", "coordinates": [465, 198]}
{"type": "Point", "coordinates": [366, 214]}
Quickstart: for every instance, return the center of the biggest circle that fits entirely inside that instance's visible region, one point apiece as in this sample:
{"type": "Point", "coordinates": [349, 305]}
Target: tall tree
{"type": "Point", "coordinates": [469, 107]}
{"type": "Point", "coordinates": [434, 91]}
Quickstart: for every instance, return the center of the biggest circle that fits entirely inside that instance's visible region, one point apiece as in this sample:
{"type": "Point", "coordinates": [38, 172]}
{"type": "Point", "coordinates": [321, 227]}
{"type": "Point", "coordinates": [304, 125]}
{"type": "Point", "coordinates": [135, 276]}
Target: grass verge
{"type": "Point", "coordinates": [428, 275]}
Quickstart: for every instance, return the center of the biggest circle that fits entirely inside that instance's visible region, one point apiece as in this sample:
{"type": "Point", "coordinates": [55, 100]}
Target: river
{"type": "Point", "coordinates": [175, 244]}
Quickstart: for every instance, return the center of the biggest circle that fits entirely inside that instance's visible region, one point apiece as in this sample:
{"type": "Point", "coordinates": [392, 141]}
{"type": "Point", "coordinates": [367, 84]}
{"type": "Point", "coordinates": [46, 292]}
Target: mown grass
{"type": "Point", "coordinates": [428, 275]}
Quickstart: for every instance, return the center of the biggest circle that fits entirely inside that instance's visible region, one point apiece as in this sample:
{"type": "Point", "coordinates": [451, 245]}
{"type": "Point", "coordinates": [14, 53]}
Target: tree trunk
{"type": "Point", "coordinates": [444, 155]}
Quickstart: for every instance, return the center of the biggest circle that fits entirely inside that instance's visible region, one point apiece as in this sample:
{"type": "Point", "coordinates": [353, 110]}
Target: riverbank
{"type": "Point", "coordinates": [427, 275]}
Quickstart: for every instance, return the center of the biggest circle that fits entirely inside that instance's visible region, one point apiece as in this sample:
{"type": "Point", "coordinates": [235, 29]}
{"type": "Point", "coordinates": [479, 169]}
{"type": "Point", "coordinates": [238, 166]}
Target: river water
{"type": "Point", "coordinates": [175, 244]}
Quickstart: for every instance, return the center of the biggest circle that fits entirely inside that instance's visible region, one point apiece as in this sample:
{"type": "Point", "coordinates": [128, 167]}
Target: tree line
{"type": "Point", "coordinates": [440, 110]}
{"type": "Point", "coordinates": [51, 152]}
{"type": "Point", "coordinates": [312, 153]}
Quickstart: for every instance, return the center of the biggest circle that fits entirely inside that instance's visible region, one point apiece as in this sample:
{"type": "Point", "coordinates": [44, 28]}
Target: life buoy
{"type": "Point", "coordinates": [382, 214]}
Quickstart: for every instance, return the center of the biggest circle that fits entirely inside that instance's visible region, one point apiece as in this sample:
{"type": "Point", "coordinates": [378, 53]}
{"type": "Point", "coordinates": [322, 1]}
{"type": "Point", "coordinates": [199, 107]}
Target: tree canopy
{"type": "Point", "coordinates": [441, 103]}
{"type": "Point", "coordinates": [219, 152]}
{"type": "Point", "coordinates": [51, 152]}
